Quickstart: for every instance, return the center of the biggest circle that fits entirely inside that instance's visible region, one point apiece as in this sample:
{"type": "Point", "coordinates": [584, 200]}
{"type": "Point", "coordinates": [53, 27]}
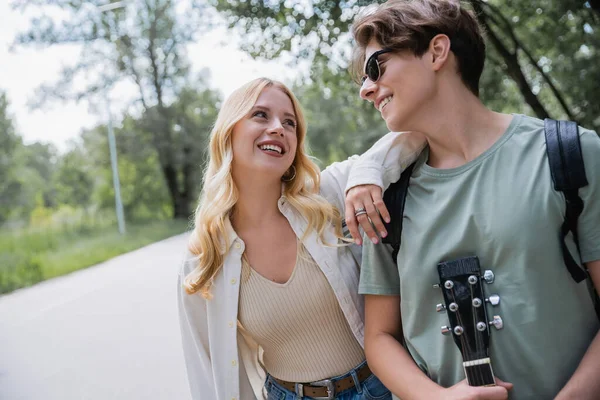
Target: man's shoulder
{"type": "Point", "coordinates": [527, 125]}
{"type": "Point", "coordinates": [532, 125]}
{"type": "Point", "coordinates": [590, 151]}
{"type": "Point", "coordinates": [589, 138]}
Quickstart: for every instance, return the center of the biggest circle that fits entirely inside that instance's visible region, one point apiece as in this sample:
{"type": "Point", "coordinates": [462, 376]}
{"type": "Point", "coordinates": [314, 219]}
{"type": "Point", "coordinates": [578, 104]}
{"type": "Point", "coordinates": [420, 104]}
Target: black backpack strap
{"type": "Point", "coordinates": [394, 198]}
{"type": "Point", "coordinates": [568, 174]}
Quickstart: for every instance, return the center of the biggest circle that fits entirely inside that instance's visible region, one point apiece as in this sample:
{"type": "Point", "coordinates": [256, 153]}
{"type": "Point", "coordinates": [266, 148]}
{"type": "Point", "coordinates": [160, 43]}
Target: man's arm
{"type": "Point", "coordinates": [392, 364]}
{"type": "Point", "coordinates": [584, 384]}
{"type": "Point", "coordinates": [387, 358]}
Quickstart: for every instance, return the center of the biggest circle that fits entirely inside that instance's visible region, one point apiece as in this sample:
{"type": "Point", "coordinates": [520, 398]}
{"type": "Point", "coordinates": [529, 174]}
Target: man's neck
{"type": "Point", "coordinates": [459, 128]}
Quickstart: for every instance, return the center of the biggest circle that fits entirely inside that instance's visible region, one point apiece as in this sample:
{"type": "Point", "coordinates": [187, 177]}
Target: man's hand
{"type": "Point", "coordinates": [364, 206]}
{"type": "Point", "coordinates": [462, 391]}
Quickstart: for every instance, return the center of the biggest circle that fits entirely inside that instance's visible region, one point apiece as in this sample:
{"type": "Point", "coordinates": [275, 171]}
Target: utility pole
{"type": "Point", "coordinates": [115, 169]}
{"type": "Point", "coordinates": [111, 138]}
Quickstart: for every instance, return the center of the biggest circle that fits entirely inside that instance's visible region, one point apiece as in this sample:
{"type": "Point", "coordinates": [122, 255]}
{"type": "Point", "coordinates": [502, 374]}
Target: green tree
{"type": "Point", "coordinates": [39, 163]}
{"type": "Point", "coordinates": [73, 181]}
{"type": "Point", "coordinates": [26, 171]}
{"type": "Point", "coordinates": [143, 43]}
{"type": "Point", "coordinates": [10, 142]}
{"type": "Point", "coordinates": [192, 115]}
{"type": "Point", "coordinates": [549, 50]}
{"type": "Point", "coordinates": [144, 190]}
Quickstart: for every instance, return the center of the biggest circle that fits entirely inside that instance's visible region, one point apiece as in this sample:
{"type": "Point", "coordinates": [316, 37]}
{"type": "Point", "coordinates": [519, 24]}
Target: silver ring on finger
{"type": "Point", "coordinates": [360, 211]}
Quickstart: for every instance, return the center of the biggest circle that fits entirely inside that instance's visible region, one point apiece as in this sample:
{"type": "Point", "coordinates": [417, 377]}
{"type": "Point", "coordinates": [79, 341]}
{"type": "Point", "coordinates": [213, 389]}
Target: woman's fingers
{"type": "Point", "coordinates": [365, 223]}
{"type": "Point", "coordinates": [378, 212]}
{"type": "Point", "coordinates": [351, 222]}
{"type": "Point", "coordinates": [365, 207]}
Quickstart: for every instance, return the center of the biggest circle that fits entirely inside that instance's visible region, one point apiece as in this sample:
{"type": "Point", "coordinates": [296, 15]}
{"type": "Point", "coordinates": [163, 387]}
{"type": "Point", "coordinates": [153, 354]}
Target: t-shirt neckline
{"type": "Point", "coordinates": [428, 170]}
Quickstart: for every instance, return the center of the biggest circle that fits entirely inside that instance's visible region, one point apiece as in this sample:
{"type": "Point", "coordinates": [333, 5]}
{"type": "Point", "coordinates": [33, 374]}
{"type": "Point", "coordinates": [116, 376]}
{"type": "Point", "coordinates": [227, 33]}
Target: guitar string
{"type": "Point", "coordinates": [478, 339]}
{"type": "Point", "coordinates": [477, 370]}
{"type": "Point", "coordinates": [465, 347]}
{"type": "Point", "coordinates": [487, 330]}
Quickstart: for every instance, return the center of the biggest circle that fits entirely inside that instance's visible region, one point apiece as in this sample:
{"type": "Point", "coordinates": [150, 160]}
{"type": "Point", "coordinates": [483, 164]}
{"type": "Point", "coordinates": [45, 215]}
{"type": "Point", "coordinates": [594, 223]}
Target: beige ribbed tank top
{"type": "Point", "coordinates": [299, 324]}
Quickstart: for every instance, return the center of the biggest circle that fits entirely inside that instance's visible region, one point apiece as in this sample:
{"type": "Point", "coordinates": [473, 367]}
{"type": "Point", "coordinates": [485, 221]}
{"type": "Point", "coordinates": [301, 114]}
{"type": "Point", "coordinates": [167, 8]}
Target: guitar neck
{"type": "Point", "coordinates": [461, 281]}
{"type": "Point", "coordinates": [479, 372]}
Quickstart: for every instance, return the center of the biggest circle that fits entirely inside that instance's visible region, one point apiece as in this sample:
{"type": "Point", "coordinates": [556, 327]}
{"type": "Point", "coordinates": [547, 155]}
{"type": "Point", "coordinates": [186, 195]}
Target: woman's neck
{"type": "Point", "coordinates": [257, 203]}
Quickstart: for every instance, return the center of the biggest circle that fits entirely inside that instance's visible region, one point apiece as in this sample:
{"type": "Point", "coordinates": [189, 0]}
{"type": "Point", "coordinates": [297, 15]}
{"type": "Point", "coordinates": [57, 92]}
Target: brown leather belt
{"type": "Point", "coordinates": [327, 388]}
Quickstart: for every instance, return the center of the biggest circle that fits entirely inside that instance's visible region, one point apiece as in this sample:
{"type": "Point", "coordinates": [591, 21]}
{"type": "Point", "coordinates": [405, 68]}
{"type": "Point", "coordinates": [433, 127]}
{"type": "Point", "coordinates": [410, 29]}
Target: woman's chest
{"type": "Point", "coordinates": [272, 253]}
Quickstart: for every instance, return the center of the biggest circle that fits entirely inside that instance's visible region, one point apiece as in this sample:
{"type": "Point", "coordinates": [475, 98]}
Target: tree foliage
{"type": "Point", "coordinates": [542, 54]}
{"type": "Point", "coordinates": [37, 180]}
{"type": "Point", "coordinates": [9, 143]}
{"type": "Point", "coordinates": [144, 44]}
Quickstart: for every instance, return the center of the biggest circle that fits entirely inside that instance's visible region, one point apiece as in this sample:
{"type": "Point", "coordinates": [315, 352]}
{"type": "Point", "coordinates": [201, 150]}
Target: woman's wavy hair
{"type": "Point", "coordinates": [209, 240]}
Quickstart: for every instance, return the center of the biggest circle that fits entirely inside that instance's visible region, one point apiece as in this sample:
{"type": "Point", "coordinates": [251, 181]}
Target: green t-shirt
{"type": "Point", "coordinates": [502, 208]}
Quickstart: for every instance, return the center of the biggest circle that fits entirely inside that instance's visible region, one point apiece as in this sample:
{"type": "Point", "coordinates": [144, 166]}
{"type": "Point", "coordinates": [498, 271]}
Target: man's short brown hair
{"type": "Point", "coordinates": [411, 24]}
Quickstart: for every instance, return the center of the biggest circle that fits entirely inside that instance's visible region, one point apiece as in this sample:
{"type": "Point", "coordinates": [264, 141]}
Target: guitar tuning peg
{"type": "Point", "coordinates": [488, 276]}
{"type": "Point", "coordinates": [436, 286]}
{"type": "Point", "coordinates": [446, 330]}
{"type": "Point", "coordinates": [440, 308]}
{"type": "Point", "coordinates": [493, 300]}
{"type": "Point", "coordinates": [497, 322]}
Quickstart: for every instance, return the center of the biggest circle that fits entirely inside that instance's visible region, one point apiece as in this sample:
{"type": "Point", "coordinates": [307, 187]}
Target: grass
{"type": "Point", "coordinates": [30, 256]}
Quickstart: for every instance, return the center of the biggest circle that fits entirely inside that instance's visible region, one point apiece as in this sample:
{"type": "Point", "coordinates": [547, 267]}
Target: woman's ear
{"type": "Point", "coordinates": [439, 47]}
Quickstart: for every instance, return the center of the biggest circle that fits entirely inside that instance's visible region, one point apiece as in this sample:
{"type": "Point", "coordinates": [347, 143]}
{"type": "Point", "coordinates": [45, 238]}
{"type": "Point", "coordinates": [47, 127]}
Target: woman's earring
{"type": "Point", "coordinates": [289, 176]}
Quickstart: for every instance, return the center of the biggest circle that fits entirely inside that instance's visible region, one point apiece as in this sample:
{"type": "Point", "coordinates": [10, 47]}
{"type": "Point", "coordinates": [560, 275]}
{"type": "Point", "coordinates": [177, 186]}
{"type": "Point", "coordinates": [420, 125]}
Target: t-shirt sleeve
{"type": "Point", "coordinates": [589, 220]}
{"type": "Point", "coordinates": [378, 272]}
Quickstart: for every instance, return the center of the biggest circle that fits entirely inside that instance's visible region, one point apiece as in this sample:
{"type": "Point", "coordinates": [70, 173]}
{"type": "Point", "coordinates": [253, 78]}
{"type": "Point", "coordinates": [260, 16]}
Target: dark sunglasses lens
{"type": "Point", "coordinates": [372, 69]}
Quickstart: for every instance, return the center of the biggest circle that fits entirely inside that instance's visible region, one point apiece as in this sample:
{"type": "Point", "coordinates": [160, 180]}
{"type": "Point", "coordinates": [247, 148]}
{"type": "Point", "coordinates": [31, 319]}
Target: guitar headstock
{"type": "Point", "coordinates": [461, 282]}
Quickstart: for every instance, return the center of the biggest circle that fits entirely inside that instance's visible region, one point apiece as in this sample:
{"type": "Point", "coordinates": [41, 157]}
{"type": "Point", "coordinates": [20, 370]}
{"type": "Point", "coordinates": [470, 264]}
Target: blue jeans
{"type": "Point", "coordinates": [369, 389]}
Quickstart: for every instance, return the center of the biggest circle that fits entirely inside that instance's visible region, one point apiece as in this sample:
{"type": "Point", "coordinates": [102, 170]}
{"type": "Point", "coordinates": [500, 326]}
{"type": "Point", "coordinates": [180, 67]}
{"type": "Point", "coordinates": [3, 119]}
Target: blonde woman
{"type": "Point", "coordinates": [268, 299]}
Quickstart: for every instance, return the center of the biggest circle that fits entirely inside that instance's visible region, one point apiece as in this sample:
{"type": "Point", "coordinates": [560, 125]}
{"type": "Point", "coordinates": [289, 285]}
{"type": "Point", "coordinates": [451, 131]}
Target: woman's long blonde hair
{"type": "Point", "coordinates": [209, 240]}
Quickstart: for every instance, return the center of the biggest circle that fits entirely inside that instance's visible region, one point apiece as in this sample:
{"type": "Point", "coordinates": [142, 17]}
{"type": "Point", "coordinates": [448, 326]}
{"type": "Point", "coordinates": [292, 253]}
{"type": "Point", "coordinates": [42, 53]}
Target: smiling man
{"type": "Point", "coordinates": [482, 192]}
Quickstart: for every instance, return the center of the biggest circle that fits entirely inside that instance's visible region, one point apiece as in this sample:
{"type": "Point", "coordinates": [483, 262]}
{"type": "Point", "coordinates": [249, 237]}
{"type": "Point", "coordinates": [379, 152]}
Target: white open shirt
{"type": "Point", "coordinates": [223, 363]}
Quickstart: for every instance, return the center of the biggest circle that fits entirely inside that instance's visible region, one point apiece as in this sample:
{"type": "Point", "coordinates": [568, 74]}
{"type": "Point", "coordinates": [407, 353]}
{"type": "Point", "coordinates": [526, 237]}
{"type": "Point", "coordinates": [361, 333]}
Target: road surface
{"type": "Point", "coordinates": [108, 332]}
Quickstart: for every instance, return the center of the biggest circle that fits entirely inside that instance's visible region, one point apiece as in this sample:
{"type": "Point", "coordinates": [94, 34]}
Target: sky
{"type": "Point", "coordinates": [25, 68]}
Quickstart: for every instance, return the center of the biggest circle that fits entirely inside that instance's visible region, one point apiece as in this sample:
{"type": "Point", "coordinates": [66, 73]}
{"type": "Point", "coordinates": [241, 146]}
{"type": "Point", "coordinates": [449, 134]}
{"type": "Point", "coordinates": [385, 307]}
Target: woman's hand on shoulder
{"type": "Point", "coordinates": [365, 206]}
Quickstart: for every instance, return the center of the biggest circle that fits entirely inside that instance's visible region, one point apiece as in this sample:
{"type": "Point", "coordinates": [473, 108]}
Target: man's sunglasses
{"type": "Point", "coordinates": [372, 70]}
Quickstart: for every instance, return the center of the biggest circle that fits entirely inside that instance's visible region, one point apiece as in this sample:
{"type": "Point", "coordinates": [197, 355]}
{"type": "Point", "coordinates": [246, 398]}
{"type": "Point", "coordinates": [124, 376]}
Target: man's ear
{"type": "Point", "coordinates": [439, 48]}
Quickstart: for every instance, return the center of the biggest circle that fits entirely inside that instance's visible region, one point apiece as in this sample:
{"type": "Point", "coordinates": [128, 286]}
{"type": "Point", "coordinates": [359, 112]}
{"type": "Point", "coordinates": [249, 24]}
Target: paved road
{"type": "Point", "coordinates": [109, 332]}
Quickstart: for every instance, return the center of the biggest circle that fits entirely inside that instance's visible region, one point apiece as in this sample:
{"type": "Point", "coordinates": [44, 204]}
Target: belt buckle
{"type": "Point", "coordinates": [328, 383]}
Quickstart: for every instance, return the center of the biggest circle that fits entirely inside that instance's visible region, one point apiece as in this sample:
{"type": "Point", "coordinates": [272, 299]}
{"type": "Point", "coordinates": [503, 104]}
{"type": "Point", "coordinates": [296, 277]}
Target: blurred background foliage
{"type": "Point", "coordinates": [57, 207]}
